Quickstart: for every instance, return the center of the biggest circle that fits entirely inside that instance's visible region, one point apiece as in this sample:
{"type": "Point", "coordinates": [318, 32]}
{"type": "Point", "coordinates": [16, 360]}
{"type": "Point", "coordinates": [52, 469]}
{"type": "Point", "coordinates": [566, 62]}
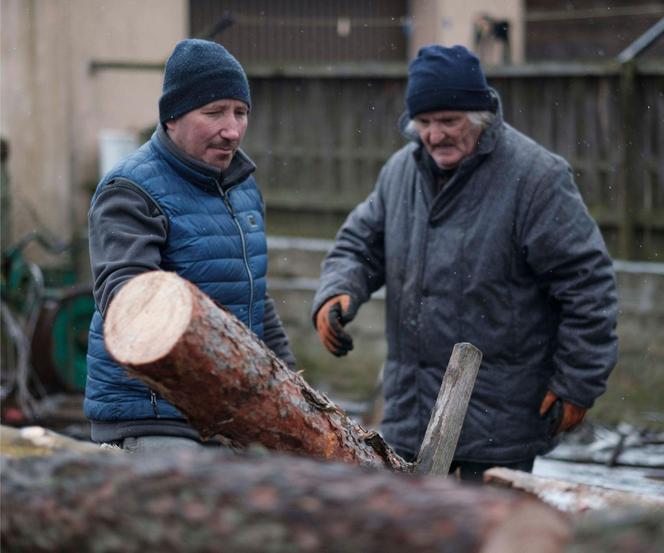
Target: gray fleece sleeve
{"type": "Point", "coordinates": [274, 336]}
{"type": "Point", "coordinates": [126, 233]}
{"type": "Point", "coordinates": [356, 263]}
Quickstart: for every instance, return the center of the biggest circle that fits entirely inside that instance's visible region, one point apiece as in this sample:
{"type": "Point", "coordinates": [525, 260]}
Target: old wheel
{"type": "Point", "coordinates": [60, 342]}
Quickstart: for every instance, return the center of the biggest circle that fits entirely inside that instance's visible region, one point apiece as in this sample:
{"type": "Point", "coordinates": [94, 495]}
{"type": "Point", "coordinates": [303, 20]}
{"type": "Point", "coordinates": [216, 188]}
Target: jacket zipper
{"type": "Point", "coordinates": [153, 402]}
{"type": "Point", "coordinates": [229, 206]}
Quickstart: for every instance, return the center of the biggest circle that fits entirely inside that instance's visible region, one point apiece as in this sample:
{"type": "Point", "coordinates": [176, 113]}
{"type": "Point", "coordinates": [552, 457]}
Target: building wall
{"type": "Point", "coordinates": [36, 108]}
{"type": "Point", "coordinates": [305, 31]}
{"type": "Point", "coordinates": [53, 105]}
{"type": "Point", "coordinates": [450, 22]}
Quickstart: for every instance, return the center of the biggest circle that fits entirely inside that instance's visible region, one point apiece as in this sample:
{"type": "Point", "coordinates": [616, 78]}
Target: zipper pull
{"type": "Point", "coordinates": [226, 199]}
{"type": "Point", "coordinates": [153, 402]}
{"type": "Point", "coordinates": [229, 205]}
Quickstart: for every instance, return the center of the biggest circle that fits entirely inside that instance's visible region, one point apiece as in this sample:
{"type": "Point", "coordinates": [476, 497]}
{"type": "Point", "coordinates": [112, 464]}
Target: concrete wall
{"type": "Point", "coordinates": [634, 390]}
{"type": "Point", "coordinates": [641, 318]}
{"type": "Point", "coordinates": [450, 22]}
{"type": "Point", "coordinates": [53, 106]}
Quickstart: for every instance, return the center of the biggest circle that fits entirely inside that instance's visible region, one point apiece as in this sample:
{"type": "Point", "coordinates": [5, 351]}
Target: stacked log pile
{"type": "Point", "coordinates": [68, 497]}
{"type": "Point", "coordinates": [61, 496]}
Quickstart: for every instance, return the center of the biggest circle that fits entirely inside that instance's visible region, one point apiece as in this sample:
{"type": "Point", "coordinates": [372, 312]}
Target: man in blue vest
{"type": "Point", "coordinates": [185, 201]}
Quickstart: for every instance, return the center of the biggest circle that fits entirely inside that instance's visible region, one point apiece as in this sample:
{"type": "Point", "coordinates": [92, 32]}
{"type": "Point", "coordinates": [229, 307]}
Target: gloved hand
{"type": "Point", "coordinates": [333, 315]}
{"type": "Point", "coordinates": [572, 414]}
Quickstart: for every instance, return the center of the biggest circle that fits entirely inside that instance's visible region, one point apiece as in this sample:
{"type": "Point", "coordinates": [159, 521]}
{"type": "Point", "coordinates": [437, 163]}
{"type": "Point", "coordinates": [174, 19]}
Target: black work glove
{"type": "Point", "coordinates": [333, 315]}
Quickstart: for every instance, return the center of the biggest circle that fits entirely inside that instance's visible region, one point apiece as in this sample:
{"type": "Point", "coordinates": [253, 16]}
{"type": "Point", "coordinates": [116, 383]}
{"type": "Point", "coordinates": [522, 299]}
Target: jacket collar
{"type": "Point", "coordinates": [202, 174]}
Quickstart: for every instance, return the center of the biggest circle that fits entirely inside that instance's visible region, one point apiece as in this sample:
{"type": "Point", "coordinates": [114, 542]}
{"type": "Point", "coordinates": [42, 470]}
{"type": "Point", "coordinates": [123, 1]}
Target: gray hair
{"type": "Point", "coordinates": [482, 119]}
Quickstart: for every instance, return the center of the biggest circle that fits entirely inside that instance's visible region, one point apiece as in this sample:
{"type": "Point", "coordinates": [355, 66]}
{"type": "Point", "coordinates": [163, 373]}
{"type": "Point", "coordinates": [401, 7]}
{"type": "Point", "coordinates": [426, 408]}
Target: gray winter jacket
{"type": "Point", "coordinates": [505, 257]}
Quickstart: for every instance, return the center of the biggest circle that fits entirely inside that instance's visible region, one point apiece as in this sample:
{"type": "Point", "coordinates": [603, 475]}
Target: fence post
{"type": "Point", "coordinates": [628, 172]}
{"type": "Point", "coordinates": [631, 144]}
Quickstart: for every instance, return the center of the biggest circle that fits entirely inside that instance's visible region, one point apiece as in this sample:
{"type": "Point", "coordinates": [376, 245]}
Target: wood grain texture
{"type": "Point", "coordinates": [442, 435]}
{"type": "Point", "coordinates": [569, 496]}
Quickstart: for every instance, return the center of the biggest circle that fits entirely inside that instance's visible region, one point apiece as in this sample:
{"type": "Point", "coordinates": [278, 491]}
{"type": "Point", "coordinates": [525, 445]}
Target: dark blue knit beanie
{"type": "Point", "coordinates": [197, 73]}
{"type": "Point", "coordinates": [442, 78]}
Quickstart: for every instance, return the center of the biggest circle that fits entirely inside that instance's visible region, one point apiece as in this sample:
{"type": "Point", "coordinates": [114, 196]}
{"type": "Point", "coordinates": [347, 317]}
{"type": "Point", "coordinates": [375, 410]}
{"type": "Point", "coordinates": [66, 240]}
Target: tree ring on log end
{"type": "Point", "coordinates": [147, 317]}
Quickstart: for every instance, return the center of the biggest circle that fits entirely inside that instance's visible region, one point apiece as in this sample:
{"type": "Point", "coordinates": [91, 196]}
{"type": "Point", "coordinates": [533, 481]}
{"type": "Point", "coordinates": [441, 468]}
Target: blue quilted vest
{"type": "Point", "coordinates": [216, 239]}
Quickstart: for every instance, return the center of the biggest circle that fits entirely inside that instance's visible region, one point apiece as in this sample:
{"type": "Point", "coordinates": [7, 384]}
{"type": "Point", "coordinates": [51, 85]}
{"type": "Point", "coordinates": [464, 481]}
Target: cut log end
{"type": "Point", "coordinates": [147, 317]}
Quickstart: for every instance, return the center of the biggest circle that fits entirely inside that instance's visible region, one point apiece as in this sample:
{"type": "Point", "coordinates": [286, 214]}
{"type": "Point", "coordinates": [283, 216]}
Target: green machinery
{"type": "Point", "coordinates": [45, 320]}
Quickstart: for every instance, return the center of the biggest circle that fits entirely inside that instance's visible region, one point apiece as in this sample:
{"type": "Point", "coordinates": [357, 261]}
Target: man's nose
{"type": "Point", "coordinates": [230, 129]}
{"type": "Point", "coordinates": [437, 134]}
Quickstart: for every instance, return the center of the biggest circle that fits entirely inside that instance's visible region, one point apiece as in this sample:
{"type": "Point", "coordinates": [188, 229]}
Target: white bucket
{"type": "Point", "coordinates": [115, 145]}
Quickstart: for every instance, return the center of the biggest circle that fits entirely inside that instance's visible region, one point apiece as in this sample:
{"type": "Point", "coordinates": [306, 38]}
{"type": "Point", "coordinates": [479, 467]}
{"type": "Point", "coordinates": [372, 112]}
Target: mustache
{"type": "Point", "coordinates": [225, 144]}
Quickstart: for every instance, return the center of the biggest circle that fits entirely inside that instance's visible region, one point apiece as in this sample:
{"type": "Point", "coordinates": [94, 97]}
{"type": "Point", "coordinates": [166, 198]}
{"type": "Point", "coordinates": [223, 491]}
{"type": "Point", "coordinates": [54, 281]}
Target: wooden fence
{"type": "Point", "coordinates": [320, 136]}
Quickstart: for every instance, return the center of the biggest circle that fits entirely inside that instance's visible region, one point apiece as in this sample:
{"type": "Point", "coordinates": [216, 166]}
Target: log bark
{"type": "Point", "coordinates": [198, 356]}
{"type": "Point", "coordinates": [442, 435]}
{"type": "Point", "coordinates": [217, 501]}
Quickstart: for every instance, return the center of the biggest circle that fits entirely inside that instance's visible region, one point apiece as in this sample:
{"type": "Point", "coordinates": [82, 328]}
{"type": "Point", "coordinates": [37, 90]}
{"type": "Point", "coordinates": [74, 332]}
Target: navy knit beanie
{"type": "Point", "coordinates": [442, 78]}
{"type": "Point", "coordinates": [197, 73]}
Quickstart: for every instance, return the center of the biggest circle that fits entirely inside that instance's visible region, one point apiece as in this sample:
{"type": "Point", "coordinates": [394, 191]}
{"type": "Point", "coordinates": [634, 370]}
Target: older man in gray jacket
{"type": "Point", "coordinates": [480, 235]}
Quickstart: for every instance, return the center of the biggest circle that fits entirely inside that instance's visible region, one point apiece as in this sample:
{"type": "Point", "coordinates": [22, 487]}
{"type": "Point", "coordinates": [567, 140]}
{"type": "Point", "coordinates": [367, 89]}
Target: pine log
{"type": "Point", "coordinates": [218, 501]}
{"type": "Point", "coordinates": [203, 360]}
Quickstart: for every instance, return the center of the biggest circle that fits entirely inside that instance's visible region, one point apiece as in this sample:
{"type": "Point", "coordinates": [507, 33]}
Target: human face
{"type": "Point", "coordinates": [448, 136]}
{"type": "Point", "coordinates": [212, 133]}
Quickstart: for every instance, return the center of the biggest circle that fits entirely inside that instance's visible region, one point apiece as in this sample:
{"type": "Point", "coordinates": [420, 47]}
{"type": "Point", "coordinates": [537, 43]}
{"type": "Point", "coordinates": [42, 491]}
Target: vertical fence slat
{"type": "Point", "coordinates": [628, 171]}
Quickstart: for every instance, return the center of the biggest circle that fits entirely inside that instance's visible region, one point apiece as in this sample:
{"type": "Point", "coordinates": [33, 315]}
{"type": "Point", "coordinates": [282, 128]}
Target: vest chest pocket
{"type": "Point", "coordinates": [250, 221]}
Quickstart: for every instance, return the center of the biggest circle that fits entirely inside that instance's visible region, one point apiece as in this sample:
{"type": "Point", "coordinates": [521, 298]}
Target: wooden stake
{"type": "Point", "coordinates": [447, 417]}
